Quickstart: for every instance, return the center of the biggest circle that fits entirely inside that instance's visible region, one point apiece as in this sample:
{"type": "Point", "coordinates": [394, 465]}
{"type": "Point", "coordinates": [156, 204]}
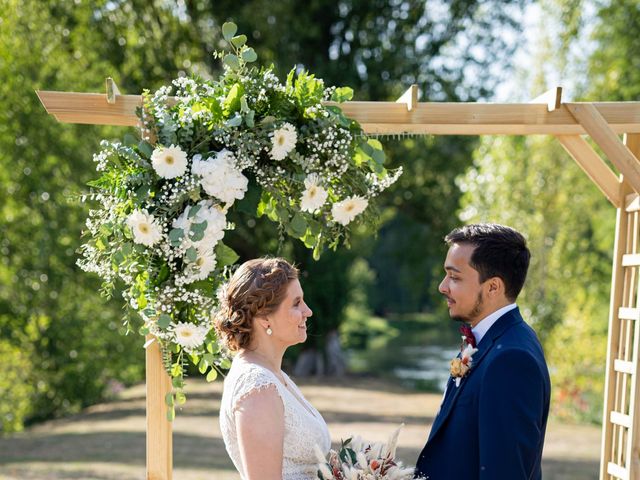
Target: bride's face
{"type": "Point", "coordinates": [289, 321]}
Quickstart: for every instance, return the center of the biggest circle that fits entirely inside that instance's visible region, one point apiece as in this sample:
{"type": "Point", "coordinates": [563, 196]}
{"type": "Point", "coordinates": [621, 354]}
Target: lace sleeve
{"type": "Point", "coordinates": [251, 381]}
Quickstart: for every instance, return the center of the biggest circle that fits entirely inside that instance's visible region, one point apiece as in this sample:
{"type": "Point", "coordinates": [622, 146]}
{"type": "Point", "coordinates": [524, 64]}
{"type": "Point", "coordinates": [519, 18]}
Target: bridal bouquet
{"type": "Point", "coordinates": [244, 142]}
{"type": "Point", "coordinates": [358, 459]}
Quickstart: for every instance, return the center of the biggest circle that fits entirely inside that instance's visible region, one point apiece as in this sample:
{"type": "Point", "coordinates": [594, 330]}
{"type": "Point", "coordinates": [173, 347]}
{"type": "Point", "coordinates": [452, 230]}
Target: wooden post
{"type": "Point", "coordinates": [159, 441]}
{"type": "Point", "coordinates": [621, 422]}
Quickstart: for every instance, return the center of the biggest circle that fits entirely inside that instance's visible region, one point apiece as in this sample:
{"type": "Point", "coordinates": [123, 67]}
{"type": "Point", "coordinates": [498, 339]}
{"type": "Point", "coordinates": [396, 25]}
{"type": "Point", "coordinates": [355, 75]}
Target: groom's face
{"type": "Point", "coordinates": [461, 285]}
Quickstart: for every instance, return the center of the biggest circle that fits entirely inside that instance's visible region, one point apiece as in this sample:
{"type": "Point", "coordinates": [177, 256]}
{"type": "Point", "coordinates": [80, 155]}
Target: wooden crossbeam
{"type": "Point", "coordinates": [593, 166]}
{"type": "Point", "coordinates": [601, 132]}
{"type": "Point", "coordinates": [385, 117]}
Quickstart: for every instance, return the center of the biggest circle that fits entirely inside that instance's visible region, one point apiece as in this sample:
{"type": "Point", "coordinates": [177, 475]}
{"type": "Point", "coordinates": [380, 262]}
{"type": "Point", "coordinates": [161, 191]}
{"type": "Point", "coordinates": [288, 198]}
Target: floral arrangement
{"type": "Point", "coordinates": [245, 141]}
{"type": "Point", "coordinates": [358, 459]}
{"type": "Point", "coordinates": [461, 365]}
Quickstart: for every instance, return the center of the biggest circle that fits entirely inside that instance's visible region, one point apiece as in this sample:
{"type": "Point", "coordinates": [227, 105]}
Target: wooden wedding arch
{"type": "Point", "coordinates": [604, 122]}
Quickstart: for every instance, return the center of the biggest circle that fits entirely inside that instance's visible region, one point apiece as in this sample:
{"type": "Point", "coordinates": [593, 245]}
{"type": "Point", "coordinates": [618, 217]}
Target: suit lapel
{"type": "Point", "coordinates": [510, 318]}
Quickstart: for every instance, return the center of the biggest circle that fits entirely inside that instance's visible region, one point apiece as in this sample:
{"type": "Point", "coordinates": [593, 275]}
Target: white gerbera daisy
{"type": "Point", "coordinates": [189, 335]}
{"type": "Point", "coordinates": [314, 195]}
{"type": "Point", "coordinates": [345, 211]}
{"type": "Point", "coordinates": [283, 141]}
{"type": "Point", "coordinates": [145, 228]}
{"type": "Point", "coordinates": [204, 264]}
{"type": "Point", "coordinates": [169, 162]}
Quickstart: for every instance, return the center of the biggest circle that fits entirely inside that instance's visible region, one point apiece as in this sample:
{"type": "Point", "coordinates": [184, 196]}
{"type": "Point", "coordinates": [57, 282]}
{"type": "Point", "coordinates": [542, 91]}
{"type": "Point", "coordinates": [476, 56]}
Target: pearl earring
{"type": "Point", "coordinates": [269, 331]}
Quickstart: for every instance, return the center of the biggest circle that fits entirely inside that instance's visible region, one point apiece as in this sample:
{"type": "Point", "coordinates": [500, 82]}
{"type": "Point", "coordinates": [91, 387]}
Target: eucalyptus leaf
{"type": "Point", "coordinates": [229, 29]}
{"type": "Point", "coordinates": [196, 236]}
{"type": "Point", "coordinates": [249, 55]}
{"type": "Point", "coordinates": [342, 94]}
{"type": "Point", "coordinates": [249, 118]}
{"type": "Point", "coordinates": [175, 237]}
{"type": "Point", "coordinates": [171, 414]}
{"type": "Point", "coordinates": [145, 148]}
{"type": "Point", "coordinates": [244, 108]}
{"type": "Point", "coordinates": [239, 40]}
{"type": "Point", "coordinates": [235, 121]}
{"type": "Point", "coordinates": [129, 140]}
{"type": "Point", "coordinates": [298, 225]}
{"type": "Point", "coordinates": [212, 375]}
{"type": "Point", "coordinates": [177, 382]}
{"type": "Point", "coordinates": [225, 255]}
{"type": "Point", "coordinates": [269, 119]}
{"type": "Point", "coordinates": [193, 211]}
{"type": "Point", "coordinates": [164, 321]}
{"type": "Point", "coordinates": [199, 227]}
{"type": "Point", "coordinates": [378, 156]}
{"type": "Point", "coordinates": [202, 366]}
{"type": "Point", "coordinates": [231, 61]}
{"type": "Point", "coordinates": [192, 254]}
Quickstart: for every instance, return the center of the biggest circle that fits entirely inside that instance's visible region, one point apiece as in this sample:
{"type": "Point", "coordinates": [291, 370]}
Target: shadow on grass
{"type": "Point", "coordinates": [353, 417]}
{"type": "Point", "coordinates": [112, 447]}
{"type": "Point", "coordinates": [555, 469]}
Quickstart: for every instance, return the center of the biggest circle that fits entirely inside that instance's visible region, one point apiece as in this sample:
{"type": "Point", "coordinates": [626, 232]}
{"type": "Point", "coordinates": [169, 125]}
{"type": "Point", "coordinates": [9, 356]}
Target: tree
{"type": "Point", "coordinates": [532, 184]}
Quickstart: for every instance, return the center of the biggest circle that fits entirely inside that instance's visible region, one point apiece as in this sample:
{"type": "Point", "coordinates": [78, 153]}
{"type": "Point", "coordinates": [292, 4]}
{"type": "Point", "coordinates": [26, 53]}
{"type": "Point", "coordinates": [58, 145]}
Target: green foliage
{"type": "Point", "coordinates": [530, 183]}
{"type": "Point", "coordinates": [16, 387]}
{"type": "Point", "coordinates": [72, 46]}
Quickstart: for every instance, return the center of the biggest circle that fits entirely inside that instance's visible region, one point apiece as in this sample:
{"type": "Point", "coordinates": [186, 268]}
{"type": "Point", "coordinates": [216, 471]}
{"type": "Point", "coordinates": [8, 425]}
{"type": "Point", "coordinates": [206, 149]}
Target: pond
{"type": "Point", "coordinates": [418, 355]}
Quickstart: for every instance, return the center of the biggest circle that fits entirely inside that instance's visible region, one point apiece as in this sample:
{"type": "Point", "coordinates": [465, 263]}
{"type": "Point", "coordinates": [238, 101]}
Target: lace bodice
{"type": "Point", "coordinates": [304, 427]}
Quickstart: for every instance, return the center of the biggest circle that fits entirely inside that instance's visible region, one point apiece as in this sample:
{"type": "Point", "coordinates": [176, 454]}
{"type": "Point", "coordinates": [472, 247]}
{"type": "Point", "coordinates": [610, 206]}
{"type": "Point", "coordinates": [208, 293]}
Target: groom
{"type": "Point", "coordinates": [492, 420]}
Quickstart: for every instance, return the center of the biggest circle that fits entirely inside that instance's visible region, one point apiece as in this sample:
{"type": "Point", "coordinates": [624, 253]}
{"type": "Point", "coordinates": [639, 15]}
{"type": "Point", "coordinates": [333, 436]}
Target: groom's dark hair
{"type": "Point", "coordinates": [499, 251]}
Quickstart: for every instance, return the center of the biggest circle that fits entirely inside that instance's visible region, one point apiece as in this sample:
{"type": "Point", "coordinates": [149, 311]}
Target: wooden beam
{"type": "Point", "coordinates": [551, 98]}
{"type": "Point", "coordinates": [632, 142]}
{"type": "Point", "coordinates": [593, 166]}
{"type": "Point", "coordinates": [410, 97]}
{"type": "Point", "coordinates": [601, 132]}
{"type": "Point", "coordinates": [615, 313]}
{"type": "Point", "coordinates": [159, 429]}
{"type": "Point", "coordinates": [385, 117]}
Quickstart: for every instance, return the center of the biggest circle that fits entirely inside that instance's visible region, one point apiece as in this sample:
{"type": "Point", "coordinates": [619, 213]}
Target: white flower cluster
{"type": "Point", "coordinates": [247, 138]}
{"type": "Point", "coordinates": [220, 178]}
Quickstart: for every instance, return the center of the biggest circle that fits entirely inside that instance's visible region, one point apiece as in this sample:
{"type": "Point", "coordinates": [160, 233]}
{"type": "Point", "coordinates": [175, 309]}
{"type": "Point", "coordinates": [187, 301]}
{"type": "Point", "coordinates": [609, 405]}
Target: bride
{"type": "Point", "coordinates": [269, 429]}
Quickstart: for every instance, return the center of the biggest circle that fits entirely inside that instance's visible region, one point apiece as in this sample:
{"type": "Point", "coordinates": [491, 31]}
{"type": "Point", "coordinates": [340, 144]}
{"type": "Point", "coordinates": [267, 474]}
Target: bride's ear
{"type": "Point", "coordinates": [262, 322]}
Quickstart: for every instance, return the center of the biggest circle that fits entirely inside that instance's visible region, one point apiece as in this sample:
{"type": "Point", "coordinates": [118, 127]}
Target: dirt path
{"type": "Point", "coordinates": [107, 441]}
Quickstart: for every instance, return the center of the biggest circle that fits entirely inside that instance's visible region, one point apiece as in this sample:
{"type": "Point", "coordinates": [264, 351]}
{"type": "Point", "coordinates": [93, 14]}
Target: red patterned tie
{"type": "Point", "coordinates": [465, 330]}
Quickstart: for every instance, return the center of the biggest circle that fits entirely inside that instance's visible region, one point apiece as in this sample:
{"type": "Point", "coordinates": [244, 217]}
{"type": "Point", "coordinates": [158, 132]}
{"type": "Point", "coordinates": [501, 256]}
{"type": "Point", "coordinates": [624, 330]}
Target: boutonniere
{"type": "Point", "coordinates": [460, 366]}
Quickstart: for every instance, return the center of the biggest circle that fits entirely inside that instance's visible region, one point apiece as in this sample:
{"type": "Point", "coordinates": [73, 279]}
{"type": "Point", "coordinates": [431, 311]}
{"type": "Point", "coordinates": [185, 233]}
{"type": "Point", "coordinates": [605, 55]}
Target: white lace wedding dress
{"type": "Point", "coordinates": [304, 427]}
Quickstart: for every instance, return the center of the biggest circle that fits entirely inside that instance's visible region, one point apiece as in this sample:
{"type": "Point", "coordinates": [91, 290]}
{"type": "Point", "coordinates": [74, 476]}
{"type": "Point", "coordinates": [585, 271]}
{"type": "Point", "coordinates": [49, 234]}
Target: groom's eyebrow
{"type": "Point", "coordinates": [449, 267]}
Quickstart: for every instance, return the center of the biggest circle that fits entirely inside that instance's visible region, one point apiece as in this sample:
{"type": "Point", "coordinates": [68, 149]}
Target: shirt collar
{"type": "Point", "coordinates": [486, 323]}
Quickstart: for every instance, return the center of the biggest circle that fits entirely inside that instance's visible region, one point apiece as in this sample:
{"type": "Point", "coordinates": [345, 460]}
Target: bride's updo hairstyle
{"type": "Point", "coordinates": [256, 289]}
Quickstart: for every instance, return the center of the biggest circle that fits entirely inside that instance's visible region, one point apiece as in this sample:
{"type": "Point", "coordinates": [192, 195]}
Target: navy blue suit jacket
{"type": "Point", "coordinates": [492, 426]}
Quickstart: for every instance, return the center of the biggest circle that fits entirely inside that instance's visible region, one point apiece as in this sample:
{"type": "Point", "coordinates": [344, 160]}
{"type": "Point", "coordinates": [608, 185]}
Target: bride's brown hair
{"type": "Point", "coordinates": [256, 289]}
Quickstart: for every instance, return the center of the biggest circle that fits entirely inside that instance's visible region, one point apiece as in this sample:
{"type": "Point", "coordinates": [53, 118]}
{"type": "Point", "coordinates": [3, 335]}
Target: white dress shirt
{"type": "Point", "coordinates": [486, 323]}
